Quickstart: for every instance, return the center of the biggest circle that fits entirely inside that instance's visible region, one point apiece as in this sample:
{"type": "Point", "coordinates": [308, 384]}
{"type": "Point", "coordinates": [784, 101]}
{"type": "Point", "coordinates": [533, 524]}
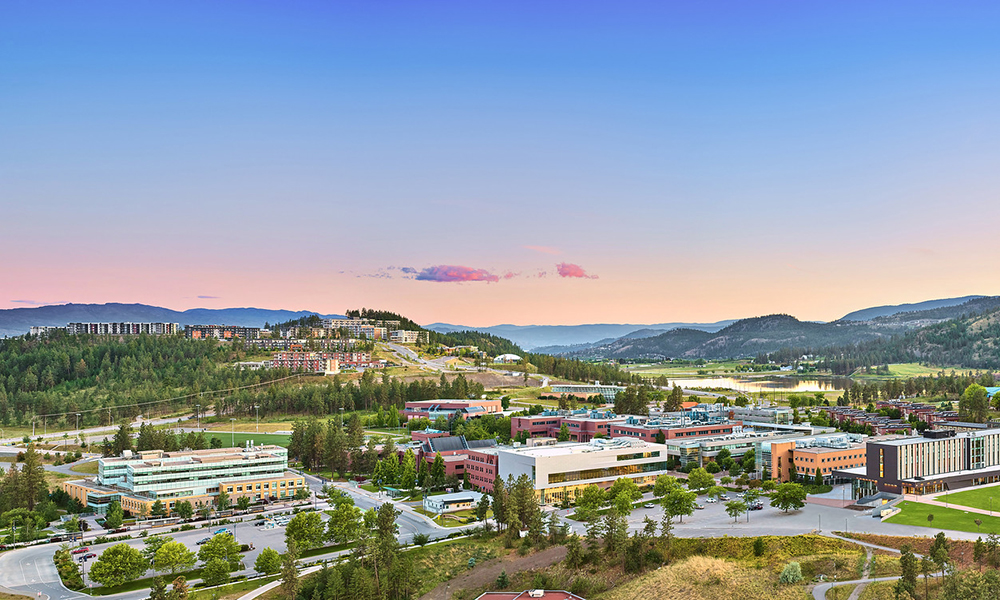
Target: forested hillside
{"type": "Point", "coordinates": [62, 373]}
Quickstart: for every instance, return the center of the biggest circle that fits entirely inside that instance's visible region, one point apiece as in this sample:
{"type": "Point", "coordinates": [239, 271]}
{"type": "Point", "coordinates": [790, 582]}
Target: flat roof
{"type": "Point", "coordinates": [570, 448]}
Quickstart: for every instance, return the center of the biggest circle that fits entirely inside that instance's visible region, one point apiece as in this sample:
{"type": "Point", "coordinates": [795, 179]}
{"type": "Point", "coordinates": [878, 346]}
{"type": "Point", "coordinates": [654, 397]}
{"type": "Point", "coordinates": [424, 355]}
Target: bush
{"type": "Point", "coordinates": [792, 573]}
{"type": "Point", "coordinates": [421, 539]}
{"type": "Point", "coordinates": [759, 547]}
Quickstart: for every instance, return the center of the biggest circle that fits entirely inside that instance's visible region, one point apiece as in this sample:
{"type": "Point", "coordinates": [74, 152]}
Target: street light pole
{"type": "Point", "coordinates": [257, 410]}
{"type": "Point", "coordinates": [233, 423]}
{"type": "Point", "coordinates": [198, 412]}
{"type": "Point", "coordinates": [78, 421]}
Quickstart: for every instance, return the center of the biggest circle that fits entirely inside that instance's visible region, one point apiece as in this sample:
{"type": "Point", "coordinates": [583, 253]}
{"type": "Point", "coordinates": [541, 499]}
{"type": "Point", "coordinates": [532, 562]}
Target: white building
{"type": "Point", "coordinates": [446, 503]}
{"type": "Point", "coordinates": [567, 468]}
{"type": "Point", "coordinates": [507, 359]}
{"type": "Point", "coordinates": [402, 336]}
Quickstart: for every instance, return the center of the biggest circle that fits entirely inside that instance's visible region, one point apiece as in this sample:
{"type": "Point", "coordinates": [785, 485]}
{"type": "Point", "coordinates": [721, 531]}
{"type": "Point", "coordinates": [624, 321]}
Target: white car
{"type": "Point", "coordinates": [711, 499]}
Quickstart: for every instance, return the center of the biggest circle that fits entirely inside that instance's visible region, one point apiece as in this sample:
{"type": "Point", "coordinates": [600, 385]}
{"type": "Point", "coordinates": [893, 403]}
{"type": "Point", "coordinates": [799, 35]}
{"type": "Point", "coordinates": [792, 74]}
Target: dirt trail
{"type": "Point", "coordinates": [487, 572]}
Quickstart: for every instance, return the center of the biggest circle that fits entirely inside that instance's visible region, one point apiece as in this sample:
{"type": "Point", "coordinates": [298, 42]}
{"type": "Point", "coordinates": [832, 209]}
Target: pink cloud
{"type": "Point", "coordinates": [455, 273]}
{"type": "Point", "coordinates": [571, 270]}
{"type": "Point", "coordinates": [543, 249]}
{"type": "Point", "coordinates": [510, 275]}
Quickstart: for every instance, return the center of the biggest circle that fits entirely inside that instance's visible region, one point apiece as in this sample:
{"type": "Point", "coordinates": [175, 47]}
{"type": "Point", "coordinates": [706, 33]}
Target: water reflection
{"type": "Point", "coordinates": [757, 385]}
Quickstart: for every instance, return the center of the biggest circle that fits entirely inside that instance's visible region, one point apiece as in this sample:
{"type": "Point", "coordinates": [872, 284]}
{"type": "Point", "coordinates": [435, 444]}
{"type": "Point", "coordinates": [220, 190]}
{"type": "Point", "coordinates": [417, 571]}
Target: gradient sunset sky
{"type": "Point", "coordinates": [501, 162]}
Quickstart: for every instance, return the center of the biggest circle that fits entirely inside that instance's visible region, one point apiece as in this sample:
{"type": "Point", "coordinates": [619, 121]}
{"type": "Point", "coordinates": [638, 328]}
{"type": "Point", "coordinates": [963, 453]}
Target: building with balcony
{"type": "Point", "coordinates": [432, 409]}
{"type": "Point", "coordinates": [124, 328]}
{"type": "Point", "coordinates": [221, 332]}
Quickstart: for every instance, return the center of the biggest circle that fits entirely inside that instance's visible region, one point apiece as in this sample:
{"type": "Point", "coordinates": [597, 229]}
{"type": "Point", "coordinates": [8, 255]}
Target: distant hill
{"type": "Point", "coordinates": [773, 333]}
{"type": "Point", "coordinates": [867, 314]}
{"type": "Point", "coordinates": [535, 337]}
{"type": "Point", "coordinates": [17, 321]}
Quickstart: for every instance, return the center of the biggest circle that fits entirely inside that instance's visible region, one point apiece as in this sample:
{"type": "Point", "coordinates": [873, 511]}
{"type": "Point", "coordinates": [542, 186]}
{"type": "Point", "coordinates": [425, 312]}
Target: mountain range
{"type": "Point", "coordinates": [17, 321]}
{"type": "Point", "coordinates": [771, 333]}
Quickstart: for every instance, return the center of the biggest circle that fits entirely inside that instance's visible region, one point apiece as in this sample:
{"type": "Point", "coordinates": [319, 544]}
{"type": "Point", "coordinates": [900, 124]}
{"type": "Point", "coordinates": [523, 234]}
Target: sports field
{"type": "Point", "coordinates": [242, 437]}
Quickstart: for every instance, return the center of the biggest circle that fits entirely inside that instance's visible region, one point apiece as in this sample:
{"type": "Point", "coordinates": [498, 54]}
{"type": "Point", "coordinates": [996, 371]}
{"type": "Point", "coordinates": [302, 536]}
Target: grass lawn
{"type": "Point", "coordinates": [241, 438]}
{"type": "Point", "coordinates": [840, 592]}
{"type": "Point", "coordinates": [440, 562]}
{"type": "Point", "coordinates": [976, 498]}
{"type": "Point", "coordinates": [87, 467]}
{"type": "Point", "coordinates": [228, 592]}
{"type": "Point", "coordinates": [915, 513]}
{"type": "Point", "coordinates": [444, 520]}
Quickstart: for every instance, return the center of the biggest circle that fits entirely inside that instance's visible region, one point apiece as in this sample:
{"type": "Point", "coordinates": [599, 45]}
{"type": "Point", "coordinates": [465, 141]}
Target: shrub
{"type": "Point", "coordinates": [421, 539]}
{"type": "Point", "coordinates": [759, 547]}
{"type": "Point", "coordinates": [792, 573]}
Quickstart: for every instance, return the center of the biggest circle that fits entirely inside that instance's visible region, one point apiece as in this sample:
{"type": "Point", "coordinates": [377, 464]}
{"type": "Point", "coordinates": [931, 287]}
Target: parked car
{"type": "Point", "coordinates": [699, 506]}
{"type": "Point", "coordinates": [757, 506]}
{"type": "Point", "coordinates": [222, 531]}
{"type": "Point", "coordinates": [711, 499]}
{"type": "Point", "coordinates": [204, 541]}
{"type": "Point", "coordinates": [648, 505]}
{"type": "Point", "coordinates": [89, 556]}
{"type": "Point", "coordinates": [81, 550]}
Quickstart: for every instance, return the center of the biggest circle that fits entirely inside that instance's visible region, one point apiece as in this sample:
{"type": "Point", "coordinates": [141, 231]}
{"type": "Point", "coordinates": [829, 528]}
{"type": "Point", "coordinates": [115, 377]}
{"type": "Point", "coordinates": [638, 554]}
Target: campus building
{"type": "Point", "coordinates": [608, 391]}
{"type": "Point", "coordinates": [221, 332]}
{"type": "Point", "coordinates": [403, 336]}
{"type": "Point", "coordinates": [432, 409]}
{"type": "Point", "coordinates": [454, 451]}
{"type": "Point", "coordinates": [937, 461]}
{"type": "Point", "coordinates": [804, 455]}
{"type": "Point", "coordinates": [563, 470]}
{"type": "Point", "coordinates": [125, 328]}
{"type": "Point", "coordinates": [584, 425]}
{"type": "Point", "coordinates": [138, 480]}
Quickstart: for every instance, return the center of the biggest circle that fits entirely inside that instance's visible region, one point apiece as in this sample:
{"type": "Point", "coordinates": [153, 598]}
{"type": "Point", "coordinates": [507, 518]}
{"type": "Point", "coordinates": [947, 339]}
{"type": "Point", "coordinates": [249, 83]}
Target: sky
{"type": "Point", "coordinates": [500, 162]}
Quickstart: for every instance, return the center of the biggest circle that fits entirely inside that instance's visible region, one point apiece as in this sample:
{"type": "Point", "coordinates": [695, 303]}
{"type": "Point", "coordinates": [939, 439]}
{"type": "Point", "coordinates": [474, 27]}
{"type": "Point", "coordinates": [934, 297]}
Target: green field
{"type": "Point", "coordinates": [976, 498]}
{"type": "Point", "coordinates": [915, 513]}
{"type": "Point", "coordinates": [241, 438]}
{"type": "Point", "coordinates": [87, 467]}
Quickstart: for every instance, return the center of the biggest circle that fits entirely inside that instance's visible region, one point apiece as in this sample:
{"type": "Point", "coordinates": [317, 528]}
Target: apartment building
{"type": "Point", "coordinates": [341, 345]}
{"type": "Point", "coordinates": [137, 480]}
{"type": "Point", "coordinates": [323, 362]}
{"type": "Point", "coordinates": [221, 332]}
{"type": "Point", "coordinates": [402, 336]}
{"type": "Point", "coordinates": [124, 328]}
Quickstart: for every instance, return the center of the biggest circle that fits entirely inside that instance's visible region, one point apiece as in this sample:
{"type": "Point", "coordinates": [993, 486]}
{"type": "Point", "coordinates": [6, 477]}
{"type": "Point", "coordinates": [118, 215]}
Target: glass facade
{"type": "Point", "coordinates": [606, 472]}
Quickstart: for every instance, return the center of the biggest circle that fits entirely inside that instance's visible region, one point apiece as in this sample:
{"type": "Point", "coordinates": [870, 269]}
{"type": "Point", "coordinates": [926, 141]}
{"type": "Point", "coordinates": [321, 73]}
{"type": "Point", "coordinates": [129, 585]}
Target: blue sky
{"type": "Point", "coordinates": [695, 161]}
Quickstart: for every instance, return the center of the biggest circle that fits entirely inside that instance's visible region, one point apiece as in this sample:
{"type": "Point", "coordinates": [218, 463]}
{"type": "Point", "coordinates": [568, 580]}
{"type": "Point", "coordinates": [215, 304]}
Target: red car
{"type": "Point", "coordinates": [80, 550]}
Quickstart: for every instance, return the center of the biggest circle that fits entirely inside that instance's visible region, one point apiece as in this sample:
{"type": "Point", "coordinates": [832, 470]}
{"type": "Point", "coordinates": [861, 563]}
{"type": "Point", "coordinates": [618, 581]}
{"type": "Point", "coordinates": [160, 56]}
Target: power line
{"type": "Point", "coordinates": [137, 404]}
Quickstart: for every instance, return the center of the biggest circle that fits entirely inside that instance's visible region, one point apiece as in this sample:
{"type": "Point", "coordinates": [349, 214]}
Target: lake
{"type": "Point", "coordinates": [757, 385]}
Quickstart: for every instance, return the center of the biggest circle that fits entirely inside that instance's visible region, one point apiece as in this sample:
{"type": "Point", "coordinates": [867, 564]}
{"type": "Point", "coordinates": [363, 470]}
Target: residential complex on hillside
{"type": "Point", "coordinates": [221, 332]}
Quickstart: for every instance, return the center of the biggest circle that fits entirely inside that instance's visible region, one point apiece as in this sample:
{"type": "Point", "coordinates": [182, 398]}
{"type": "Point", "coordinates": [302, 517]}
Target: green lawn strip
{"type": "Point", "coordinates": [233, 588]}
{"type": "Point", "coordinates": [240, 438]}
{"type": "Point", "coordinates": [915, 513]}
{"type": "Point", "coordinates": [141, 584]}
{"type": "Point", "coordinates": [976, 498]}
{"type": "Point", "coordinates": [444, 520]}
{"type": "Point", "coordinates": [326, 550]}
